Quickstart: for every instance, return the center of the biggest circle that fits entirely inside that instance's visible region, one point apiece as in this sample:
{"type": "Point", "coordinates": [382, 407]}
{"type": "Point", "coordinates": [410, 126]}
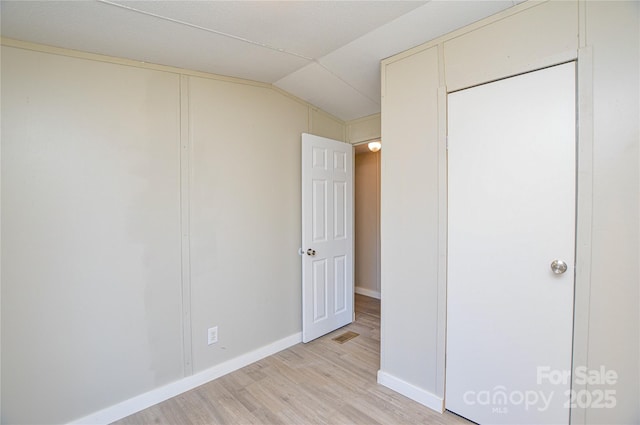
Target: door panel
{"type": "Point", "coordinates": [319, 208]}
{"type": "Point", "coordinates": [319, 290]}
{"type": "Point", "coordinates": [511, 176]}
{"type": "Point", "coordinates": [340, 281]}
{"type": "Point", "coordinates": [339, 210]}
{"type": "Point", "coordinates": [327, 235]}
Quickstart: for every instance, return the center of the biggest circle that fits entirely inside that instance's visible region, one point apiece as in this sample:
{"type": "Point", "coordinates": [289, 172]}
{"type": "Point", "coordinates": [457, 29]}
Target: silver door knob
{"type": "Point", "coordinates": [558, 266]}
{"type": "Point", "coordinates": [311, 252]}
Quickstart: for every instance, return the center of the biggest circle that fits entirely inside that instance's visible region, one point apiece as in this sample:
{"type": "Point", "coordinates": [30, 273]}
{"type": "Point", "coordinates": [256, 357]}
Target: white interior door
{"type": "Point", "coordinates": [512, 174]}
{"type": "Point", "coordinates": [327, 235]}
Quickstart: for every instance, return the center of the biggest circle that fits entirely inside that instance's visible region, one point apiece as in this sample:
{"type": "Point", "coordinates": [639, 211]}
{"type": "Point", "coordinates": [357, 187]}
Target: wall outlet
{"type": "Point", "coordinates": [212, 335]}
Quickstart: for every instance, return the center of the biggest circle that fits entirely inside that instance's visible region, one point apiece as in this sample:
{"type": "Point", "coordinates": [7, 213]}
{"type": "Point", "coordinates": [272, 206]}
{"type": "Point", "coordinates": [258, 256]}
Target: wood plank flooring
{"type": "Point", "coordinates": [321, 382]}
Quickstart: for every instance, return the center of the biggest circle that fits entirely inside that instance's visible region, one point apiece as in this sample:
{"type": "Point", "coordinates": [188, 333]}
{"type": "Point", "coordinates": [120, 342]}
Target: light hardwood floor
{"type": "Point", "coordinates": [321, 382]}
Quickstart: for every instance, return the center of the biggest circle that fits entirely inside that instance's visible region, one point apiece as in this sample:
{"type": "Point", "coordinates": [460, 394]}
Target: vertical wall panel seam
{"type": "Point", "coordinates": [441, 291]}
{"type": "Point", "coordinates": [441, 319]}
{"type": "Point", "coordinates": [185, 228]}
{"type": "Point", "coordinates": [582, 23]}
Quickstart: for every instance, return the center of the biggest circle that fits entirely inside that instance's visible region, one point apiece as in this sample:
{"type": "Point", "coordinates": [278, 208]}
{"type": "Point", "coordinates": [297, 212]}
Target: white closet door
{"type": "Point", "coordinates": [512, 177]}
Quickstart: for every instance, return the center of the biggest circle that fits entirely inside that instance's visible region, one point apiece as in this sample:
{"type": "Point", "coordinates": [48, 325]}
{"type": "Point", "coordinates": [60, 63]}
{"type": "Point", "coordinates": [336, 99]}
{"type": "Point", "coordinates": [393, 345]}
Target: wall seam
{"type": "Point", "coordinates": [441, 290]}
{"type": "Point", "coordinates": [185, 227]}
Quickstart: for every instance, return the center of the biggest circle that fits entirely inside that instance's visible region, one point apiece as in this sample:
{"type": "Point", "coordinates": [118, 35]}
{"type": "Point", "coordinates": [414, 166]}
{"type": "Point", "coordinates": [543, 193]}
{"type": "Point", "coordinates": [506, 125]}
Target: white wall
{"type": "Point", "coordinates": [99, 156]}
{"type": "Point", "coordinates": [91, 235]}
{"type": "Point", "coordinates": [414, 124]}
{"type": "Point", "coordinates": [613, 29]}
{"type": "Point", "coordinates": [409, 220]}
{"type": "Point", "coordinates": [323, 124]}
{"type": "Point", "coordinates": [367, 223]}
{"type": "Point", "coordinates": [363, 129]}
{"type": "Point", "coordinates": [245, 217]}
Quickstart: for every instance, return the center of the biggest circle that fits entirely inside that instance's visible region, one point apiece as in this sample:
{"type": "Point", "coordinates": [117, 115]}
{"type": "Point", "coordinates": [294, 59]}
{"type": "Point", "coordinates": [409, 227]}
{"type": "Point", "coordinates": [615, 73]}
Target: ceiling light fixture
{"type": "Point", "coordinates": [375, 146]}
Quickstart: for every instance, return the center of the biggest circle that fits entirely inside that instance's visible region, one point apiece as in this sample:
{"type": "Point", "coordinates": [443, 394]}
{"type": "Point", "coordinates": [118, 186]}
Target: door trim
{"type": "Point", "coordinates": [584, 217]}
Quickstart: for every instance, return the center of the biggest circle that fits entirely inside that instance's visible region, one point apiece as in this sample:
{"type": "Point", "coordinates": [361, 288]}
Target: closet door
{"type": "Point", "coordinates": [512, 178]}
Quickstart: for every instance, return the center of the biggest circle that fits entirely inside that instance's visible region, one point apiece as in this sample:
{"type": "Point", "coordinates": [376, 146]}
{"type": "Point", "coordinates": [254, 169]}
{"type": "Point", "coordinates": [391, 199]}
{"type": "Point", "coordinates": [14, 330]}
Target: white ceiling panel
{"type": "Point", "coordinates": [325, 52]}
{"type": "Point", "coordinates": [423, 24]}
{"type": "Point", "coordinates": [320, 87]}
{"type": "Point", "coordinates": [102, 28]}
{"type": "Point", "coordinates": [308, 28]}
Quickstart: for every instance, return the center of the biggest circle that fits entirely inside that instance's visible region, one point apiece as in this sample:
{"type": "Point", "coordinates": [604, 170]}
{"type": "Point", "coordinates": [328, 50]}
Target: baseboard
{"type": "Point", "coordinates": [148, 399]}
{"type": "Point", "coordinates": [367, 292]}
{"type": "Point", "coordinates": [423, 397]}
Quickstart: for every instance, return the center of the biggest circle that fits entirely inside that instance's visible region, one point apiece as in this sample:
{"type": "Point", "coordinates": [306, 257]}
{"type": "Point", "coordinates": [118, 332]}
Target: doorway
{"type": "Point", "coordinates": [340, 234]}
{"type": "Point", "coordinates": [367, 238]}
{"type": "Point", "coordinates": [367, 222]}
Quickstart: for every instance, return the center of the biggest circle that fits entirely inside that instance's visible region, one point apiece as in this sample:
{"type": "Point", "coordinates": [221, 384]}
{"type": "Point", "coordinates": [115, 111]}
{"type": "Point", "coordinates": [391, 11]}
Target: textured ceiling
{"type": "Point", "coordinates": [325, 52]}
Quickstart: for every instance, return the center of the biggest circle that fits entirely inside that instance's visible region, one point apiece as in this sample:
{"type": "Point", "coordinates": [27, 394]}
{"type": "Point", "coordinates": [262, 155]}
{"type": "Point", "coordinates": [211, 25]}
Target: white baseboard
{"type": "Point", "coordinates": [367, 292]}
{"type": "Point", "coordinates": [148, 399]}
{"type": "Point", "coordinates": [423, 397]}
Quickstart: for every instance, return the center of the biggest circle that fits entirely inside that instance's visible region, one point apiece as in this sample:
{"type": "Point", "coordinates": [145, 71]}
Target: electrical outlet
{"type": "Point", "coordinates": [212, 335]}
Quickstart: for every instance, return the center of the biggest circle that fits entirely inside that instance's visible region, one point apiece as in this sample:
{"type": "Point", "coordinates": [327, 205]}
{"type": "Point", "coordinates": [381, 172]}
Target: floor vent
{"type": "Point", "coordinates": [345, 337]}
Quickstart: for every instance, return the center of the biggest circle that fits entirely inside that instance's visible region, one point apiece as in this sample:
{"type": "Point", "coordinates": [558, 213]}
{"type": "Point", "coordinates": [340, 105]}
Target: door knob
{"type": "Point", "coordinates": [311, 252]}
{"type": "Point", "coordinates": [558, 266]}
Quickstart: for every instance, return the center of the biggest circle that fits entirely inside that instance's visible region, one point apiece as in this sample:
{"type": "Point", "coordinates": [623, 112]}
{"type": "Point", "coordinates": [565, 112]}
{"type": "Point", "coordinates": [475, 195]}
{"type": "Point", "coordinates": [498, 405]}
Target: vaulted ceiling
{"type": "Point", "coordinates": [325, 52]}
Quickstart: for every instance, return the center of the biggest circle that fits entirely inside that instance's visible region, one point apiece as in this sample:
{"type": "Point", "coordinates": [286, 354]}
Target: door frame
{"type": "Point", "coordinates": [584, 213]}
{"type": "Point", "coordinates": [378, 239]}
